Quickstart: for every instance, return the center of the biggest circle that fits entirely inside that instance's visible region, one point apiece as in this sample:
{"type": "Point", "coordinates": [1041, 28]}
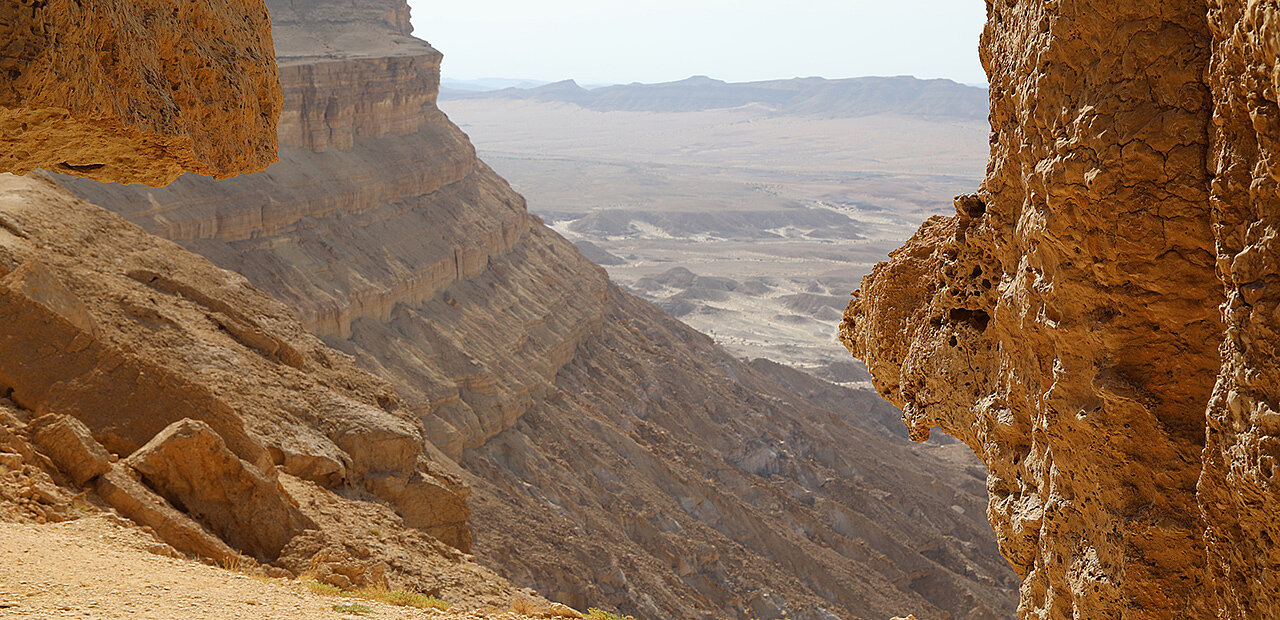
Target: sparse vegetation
{"type": "Point", "coordinates": [525, 606]}
{"type": "Point", "coordinates": [322, 588]}
{"type": "Point", "coordinates": [239, 564]}
{"type": "Point", "coordinates": [353, 608]}
{"type": "Point", "coordinates": [595, 613]}
{"type": "Point", "coordinates": [78, 504]}
{"type": "Point", "coordinates": [401, 598]}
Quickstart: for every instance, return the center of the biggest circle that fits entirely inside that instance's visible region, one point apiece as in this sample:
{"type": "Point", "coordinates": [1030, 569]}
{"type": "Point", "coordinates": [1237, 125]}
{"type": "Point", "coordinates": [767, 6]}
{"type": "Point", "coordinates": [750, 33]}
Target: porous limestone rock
{"type": "Point", "coordinates": [1240, 488]}
{"type": "Point", "coordinates": [1066, 323]}
{"type": "Point", "coordinates": [190, 466]}
{"type": "Point", "coordinates": [138, 91]}
{"type": "Point", "coordinates": [70, 446]}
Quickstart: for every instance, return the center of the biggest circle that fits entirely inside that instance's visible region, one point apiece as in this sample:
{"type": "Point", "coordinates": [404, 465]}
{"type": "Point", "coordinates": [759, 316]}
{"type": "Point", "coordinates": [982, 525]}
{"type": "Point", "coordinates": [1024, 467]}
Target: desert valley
{"type": "Point", "coordinates": [733, 206]}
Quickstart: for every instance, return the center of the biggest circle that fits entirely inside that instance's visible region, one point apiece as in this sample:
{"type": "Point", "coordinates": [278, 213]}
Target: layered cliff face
{"type": "Point", "coordinates": [617, 458]}
{"type": "Point", "coordinates": [137, 92]}
{"type": "Point", "coordinates": [1065, 324]}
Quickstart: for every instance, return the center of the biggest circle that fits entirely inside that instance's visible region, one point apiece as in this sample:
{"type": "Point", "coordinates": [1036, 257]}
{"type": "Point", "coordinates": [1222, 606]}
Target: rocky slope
{"type": "Point", "coordinates": [137, 92]}
{"type": "Point", "coordinates": [141, 379]}
{"type": "Point", "coordinates": [1066, 323]}
{"type": "Point", "coordinates": [617, 457]}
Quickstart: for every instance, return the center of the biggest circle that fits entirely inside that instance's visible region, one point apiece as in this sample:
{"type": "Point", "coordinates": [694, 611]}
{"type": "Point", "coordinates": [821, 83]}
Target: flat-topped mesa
{"type": "Point", "coordinates": [1065, 323]}
{"type": "Point", "coordinates": [137, 92]}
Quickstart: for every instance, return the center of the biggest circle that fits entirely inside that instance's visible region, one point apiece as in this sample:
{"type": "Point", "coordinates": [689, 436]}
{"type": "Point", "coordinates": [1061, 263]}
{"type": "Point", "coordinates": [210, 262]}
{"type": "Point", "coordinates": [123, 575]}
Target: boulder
{"type": "Point", "coordinates": [190, 465]}
{"type": "Point", "coordinates": [138, 91]}
{"type": "Point", "coordinates": [121, 488]}
{"type": "Point", "coordinates": [70, 445]}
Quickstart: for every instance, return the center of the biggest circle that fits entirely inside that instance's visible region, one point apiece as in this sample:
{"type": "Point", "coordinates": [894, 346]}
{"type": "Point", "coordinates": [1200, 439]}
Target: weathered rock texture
{"type": "Point", "coordinates": [138, 91]}
{"type": "Point", "coordinates": [70, 445]}
{"type": "Point", "coordinates": [618, 458]}
{"type": "Point", "coordinates": [1240, 486]}
{"type": "Point", "coordinates": [1065, 324]}
{"type": "Point", "coordinates": [122, 488]}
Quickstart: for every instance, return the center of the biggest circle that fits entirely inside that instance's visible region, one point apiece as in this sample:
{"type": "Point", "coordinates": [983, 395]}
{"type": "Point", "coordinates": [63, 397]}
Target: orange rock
{"type": "Point", "coordinates": [139, 91]}
{"type": "Point", "coordinates": [429, 504]}
{"type": "Point", "coordinates": [1067, 323]}
{"type": "Point", "coordinates": [1239, 488]}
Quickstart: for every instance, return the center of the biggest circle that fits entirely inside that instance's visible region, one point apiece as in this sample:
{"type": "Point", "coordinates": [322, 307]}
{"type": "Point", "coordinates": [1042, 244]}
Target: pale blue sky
{"type": "Point", "coordinates": [611, 41]}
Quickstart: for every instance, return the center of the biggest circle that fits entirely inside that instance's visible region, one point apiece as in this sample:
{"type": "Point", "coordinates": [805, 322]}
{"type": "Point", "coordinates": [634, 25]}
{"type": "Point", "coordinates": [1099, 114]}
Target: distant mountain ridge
{"type": "Point", "coordinates": [812, 96]}
{"type": "Point", "coordinates": [489, 84]}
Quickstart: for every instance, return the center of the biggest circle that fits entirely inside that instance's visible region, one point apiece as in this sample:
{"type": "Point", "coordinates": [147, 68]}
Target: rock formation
{"type": "Point", "coordinates": [137, 92]}
{"type": "Point", "coordinates": [616, 457]}
{"type": "Point", "coordinates": [1065, 324]}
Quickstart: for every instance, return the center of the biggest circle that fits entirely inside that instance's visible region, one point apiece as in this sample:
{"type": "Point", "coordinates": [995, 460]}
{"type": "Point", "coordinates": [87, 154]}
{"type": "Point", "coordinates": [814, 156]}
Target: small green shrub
{"type": "Point", "coordinates": [595, 613]}
{"type": "Point", "coordinates": [383, 595]}
{"type": "Point", "coordinates": [353, 608]}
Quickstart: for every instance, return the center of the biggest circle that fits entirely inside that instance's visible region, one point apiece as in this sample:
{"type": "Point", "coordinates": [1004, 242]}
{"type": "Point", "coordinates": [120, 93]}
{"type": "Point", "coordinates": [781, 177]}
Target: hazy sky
{"type": "Point", "coordinates": [612, 41]}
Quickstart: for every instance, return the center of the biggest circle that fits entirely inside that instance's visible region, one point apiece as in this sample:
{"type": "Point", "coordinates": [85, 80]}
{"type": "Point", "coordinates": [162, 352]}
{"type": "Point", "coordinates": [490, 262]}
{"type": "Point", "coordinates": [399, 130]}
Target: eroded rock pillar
{"type": "Point", "coordinates": [1065, 323]}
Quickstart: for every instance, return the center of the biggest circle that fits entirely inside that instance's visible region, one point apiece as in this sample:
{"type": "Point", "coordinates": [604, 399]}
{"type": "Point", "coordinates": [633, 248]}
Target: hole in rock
{"type": "Point", "coordinates": [82, 168]}
{"type": "Point", "coordinates": [977, 319]}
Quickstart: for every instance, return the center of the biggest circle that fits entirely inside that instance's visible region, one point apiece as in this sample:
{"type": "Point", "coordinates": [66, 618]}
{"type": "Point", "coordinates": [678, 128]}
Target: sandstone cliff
{"type": "Point", "coordinates": [617, 457]}
{"type": "Point", "coordinates": [1065, 324]}
{"type": "Point", "coordinates": [137, 92]}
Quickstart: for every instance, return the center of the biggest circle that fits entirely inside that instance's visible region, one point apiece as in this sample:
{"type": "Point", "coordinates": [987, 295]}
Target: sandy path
{"type": "Point", "coordinates": [95, 568]}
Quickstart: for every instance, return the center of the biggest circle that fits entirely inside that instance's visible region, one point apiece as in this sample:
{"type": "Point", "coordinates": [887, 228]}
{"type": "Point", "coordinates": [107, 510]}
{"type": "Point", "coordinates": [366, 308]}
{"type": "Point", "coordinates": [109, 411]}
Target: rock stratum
{"type": "Point", "coordinates": [137, 92]}
{"type": "Point", "coordinates": [1098, 321]}
{"type": "Point", "coordinates": [615, 457]}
